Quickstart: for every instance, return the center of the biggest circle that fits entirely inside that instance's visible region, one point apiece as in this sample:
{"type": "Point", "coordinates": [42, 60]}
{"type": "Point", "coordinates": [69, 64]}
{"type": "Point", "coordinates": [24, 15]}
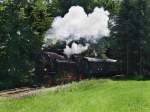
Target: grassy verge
{"type": "Point", "coordinates": [86, 96]}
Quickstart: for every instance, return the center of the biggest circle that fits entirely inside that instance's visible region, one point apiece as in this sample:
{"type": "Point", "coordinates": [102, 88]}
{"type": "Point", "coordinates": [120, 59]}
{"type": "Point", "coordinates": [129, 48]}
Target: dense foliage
{"type": "Point", "coordinates": [130, 37]}
{"type": "Point", "coordinates": [23, 24]}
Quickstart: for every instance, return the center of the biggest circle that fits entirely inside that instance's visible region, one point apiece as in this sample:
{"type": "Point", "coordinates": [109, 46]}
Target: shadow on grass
{"type": "Point", "coordinates": [123, 77]}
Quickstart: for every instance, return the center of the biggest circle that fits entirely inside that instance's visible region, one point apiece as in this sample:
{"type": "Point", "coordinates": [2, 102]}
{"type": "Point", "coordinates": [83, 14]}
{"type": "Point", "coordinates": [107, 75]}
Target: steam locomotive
{"type": "Point", "coordinates": [53, 68]}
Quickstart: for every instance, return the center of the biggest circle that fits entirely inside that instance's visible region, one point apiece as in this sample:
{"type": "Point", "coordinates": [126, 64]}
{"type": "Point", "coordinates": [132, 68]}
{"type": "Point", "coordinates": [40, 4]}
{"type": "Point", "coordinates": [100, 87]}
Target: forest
{"type": "Point", "coordinates": [24, 24]}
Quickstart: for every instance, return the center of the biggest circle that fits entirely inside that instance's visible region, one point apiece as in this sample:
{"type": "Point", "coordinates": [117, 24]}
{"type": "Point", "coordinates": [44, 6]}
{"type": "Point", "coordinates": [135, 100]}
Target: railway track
{"type": "Point", "coordinates": [16, 91]}
{"type": "Point", "coordinates": [23, 92]}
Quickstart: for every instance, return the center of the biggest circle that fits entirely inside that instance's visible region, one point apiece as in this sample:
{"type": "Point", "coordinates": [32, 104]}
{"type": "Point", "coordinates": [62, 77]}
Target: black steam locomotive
{"type": "Point", "coordinates": [53, 68]}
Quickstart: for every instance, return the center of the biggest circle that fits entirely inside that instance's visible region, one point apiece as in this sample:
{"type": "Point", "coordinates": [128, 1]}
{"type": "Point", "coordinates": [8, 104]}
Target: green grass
{"type": "Point", "coordinates": [86, 96]}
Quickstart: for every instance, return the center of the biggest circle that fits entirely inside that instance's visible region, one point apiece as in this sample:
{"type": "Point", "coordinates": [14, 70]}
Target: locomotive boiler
{"type": "Point", "coordinates": [53, 68]}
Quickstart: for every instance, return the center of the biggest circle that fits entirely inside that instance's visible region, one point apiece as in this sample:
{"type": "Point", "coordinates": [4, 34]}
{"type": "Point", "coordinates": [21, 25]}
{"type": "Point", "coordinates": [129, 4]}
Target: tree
{"type": "Point", "coordinates": [61, 7]}
{"type": "Point", "coordinates": [23, 24]}
{"type": "Point", "coordinates": [129, 35]}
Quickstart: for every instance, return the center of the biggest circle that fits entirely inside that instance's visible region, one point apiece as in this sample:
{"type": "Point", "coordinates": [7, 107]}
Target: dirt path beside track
{"type": "Point", "coordinates": [19, 93]}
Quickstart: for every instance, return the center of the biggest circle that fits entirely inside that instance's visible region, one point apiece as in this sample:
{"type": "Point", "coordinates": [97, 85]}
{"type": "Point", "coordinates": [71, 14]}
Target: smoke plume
{"type": "Point", "coordinates": [75, 49]}
{"type": "Point", "coordinates": [76, 24]}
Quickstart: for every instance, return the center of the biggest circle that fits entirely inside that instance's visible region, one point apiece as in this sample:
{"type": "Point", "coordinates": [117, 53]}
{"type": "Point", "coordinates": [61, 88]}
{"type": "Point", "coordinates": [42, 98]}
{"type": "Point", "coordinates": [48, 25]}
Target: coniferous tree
{"type": "Point", "coordinates": [129, 35]}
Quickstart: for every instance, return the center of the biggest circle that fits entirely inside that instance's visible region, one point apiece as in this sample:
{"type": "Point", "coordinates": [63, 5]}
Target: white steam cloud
{"type": "Point", "coordinates": [75, 49]}
{"type": "Point", "coordinates": [76, 24]}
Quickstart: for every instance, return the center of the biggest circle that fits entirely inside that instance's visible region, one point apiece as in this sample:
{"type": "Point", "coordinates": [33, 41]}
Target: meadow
{"type": "Point", "coordinates": [86, 96]}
